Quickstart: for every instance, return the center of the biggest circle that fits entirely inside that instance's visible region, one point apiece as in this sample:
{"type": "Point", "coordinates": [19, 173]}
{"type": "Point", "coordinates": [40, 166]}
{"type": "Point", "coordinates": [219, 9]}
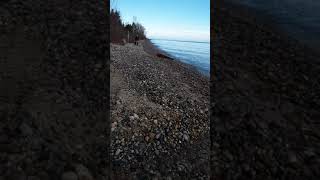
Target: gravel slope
{"type": "Point", "coordinates": [159, 114]}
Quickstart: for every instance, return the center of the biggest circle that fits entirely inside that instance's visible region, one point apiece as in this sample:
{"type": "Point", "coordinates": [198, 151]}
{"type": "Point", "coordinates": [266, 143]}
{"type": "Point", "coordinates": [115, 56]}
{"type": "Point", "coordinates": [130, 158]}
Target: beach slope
{"type": "Point", "coordinates": [159, 113]}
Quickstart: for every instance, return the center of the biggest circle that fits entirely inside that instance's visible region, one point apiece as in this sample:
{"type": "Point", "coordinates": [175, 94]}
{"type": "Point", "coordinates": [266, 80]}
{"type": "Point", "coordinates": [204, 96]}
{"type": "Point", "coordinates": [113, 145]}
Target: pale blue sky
{"type": "Point", "coordinates": [169, 19]}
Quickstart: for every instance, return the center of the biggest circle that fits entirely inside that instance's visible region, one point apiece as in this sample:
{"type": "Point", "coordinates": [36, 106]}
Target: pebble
{"type": "Point", "coordinates": [147, 138]}
{"type": "Point", "coordinates": [186, 137]}
{"type": "Point", "coordinates": [151, 135]}
{"type": "Point", "coordinates": [114, 124]}
{"type": "Point", "coordinates": [118, 152]}
{"type": "Point", "coordinates": [135, 116]}
{"type": "Point", "coordinates": [83, 173]}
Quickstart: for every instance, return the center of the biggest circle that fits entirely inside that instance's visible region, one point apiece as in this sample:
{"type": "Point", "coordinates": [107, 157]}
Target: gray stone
{"type": "Point", "coordinates": [186, 137]}
{"type": "Point", "coordinates": [118, 152]}
{"type": "Point", "coordinates": [135, 116]}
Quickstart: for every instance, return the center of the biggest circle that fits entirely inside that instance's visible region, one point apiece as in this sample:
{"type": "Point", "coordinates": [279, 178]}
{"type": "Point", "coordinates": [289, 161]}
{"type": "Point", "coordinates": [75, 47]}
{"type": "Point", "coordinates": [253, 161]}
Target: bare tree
{"type": "Point", "coordinates": [120, 31]}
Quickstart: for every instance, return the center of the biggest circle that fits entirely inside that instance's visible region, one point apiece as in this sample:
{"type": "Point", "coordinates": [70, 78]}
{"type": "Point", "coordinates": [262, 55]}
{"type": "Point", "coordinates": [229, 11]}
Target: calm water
{"type": "Point", "coordinates": [189, 52]}
{"type": "Point", "coordinates": [299, 18]}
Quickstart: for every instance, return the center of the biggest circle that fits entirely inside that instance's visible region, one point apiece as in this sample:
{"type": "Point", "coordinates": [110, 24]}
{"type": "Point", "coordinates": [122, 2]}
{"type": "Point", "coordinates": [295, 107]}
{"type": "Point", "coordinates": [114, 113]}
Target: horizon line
{"type": "Point", "coordinates": [179, 40]}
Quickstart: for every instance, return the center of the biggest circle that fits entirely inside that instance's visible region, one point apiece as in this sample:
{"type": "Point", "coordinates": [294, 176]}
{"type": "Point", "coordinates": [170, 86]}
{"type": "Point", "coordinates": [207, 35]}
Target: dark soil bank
{"type": "Point", "coordinates": [53, 93]}
{"type": "Point", "coordinates": [265, 102]}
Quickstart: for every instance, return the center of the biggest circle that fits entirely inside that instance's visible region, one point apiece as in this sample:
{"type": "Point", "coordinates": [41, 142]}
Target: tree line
{"type": "Point", "coordinates": [120, 31]}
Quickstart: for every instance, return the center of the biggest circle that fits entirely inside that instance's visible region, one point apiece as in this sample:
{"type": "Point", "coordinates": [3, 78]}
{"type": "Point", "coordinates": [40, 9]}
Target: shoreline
{"type": "Point", "coordinates": [154, 50]}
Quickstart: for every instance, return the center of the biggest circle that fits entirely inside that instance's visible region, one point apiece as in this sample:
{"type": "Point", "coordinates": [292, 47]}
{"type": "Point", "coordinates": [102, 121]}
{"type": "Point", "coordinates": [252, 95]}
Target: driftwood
{"type": "Point", "coordinates": [163, 56]}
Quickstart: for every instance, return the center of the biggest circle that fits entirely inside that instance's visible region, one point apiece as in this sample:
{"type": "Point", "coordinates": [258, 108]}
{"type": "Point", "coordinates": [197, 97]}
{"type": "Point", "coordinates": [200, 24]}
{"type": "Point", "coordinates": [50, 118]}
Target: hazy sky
{"type": "Point", "coordinates": [169, 19]}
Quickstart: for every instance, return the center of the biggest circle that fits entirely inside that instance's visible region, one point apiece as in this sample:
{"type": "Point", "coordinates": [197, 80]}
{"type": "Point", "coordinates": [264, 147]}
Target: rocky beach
{"type": "Point", "coordinates": [159, 114]}
{"type": "Point", "coordinates": [264, 100]}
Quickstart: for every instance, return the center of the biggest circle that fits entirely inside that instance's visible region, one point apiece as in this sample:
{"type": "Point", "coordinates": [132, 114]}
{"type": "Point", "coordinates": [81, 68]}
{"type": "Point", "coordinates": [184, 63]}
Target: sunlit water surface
{"type": "Point", "coordinates": [194, 53]}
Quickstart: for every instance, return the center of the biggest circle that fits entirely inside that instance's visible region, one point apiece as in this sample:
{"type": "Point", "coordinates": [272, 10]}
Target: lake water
{"type": "Point", "coordinates": [194, 53]}
{"type": "Point", "coordinates": [299, 18]}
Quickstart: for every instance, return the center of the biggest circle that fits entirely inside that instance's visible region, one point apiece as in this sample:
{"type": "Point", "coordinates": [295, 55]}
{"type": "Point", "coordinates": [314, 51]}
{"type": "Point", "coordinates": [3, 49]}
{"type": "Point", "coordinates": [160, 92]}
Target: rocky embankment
{"type": "Point", "coordinates": [265, 102]}
{"type": "Point", "coordinates": [53, 89]}
{"type": "Point", "coordinates": [159, 114]}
